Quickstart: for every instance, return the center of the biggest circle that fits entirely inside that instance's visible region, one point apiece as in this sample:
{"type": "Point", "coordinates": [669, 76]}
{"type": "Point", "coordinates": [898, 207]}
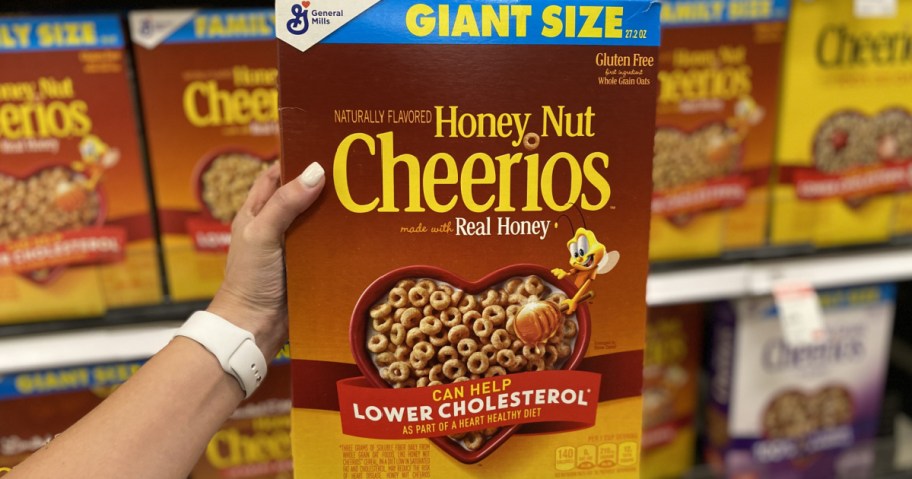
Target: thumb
{"type": "Point", "coordinates": [288, 202]}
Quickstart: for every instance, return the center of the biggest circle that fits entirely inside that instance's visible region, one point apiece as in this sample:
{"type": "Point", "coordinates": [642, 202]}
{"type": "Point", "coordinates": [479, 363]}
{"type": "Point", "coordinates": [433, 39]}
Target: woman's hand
{"type": "Point", "coordinates": [253, 295]}
{"type": "Point", "coordinates": [157, 424]}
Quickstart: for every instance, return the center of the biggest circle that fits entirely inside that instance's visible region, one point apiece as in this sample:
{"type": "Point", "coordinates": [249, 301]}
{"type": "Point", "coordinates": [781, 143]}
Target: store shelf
{"type": "Point", "coordinates": [91, 346]}
{"type": "Point", "coordinates": [697, 284]}
{"type": "Point", "coordinates": [750, 278]}
{"type": "Point", "coordinates": [134, 315]}
{"type": "Point", "coordinates": [113, 337]}
{"type": "Point", "coordinates": [120, 335]}
{"type": "Point", "coordinates": [116, 337]}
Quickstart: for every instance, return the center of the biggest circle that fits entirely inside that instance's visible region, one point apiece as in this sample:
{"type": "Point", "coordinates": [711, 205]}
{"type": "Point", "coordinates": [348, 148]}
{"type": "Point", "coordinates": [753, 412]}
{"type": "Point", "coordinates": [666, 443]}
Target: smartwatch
{"type": "Point", "coordinates": [234, 348]}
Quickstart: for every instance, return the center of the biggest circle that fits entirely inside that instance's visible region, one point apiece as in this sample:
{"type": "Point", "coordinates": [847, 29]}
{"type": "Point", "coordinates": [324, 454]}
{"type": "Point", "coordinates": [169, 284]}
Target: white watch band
{"type": "Point", "coordinates": [234, 348]}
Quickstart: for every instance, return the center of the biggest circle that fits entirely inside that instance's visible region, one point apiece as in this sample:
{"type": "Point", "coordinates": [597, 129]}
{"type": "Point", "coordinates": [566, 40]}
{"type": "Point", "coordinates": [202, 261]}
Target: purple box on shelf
{"type": "Point", "coordinates": [798, 411]}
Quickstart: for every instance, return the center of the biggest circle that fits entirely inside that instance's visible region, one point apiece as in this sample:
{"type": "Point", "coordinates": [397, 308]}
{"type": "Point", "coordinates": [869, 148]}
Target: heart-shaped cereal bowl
{"type": "Point", "coordinates": [677, 162]}
{"type": "Point", "coordinates": [795, 414]}
{"type": "Point", "coordinates": [54, 178]}
{"type": "Point", "coordinates": [361, 322]}
{"type": "Point", "coordinates": [215, 180]}
{"type": "Point", "coordinates": [849, 139]}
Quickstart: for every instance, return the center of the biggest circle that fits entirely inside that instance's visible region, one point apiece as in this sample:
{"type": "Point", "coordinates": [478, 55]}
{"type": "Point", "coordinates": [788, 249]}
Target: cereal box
{"type": "Point", "coordinates": [716, 111]}
{"type": "Point", "coordinates": [37, 405]}
{"type": "Point", "coordinates": [207, 83]}
{"type": "Point", "coordinates": [786, 411]}
{"type": "Point", "coordinates": [845, 135]}
{"type": "Point", "coordinates": [75, 224]}
{"type": "Point", "coordinates": [255, 442]}
{"type": "Point", "coordinates": [487, 168]}
{"type": "Point", "coordinates": [670, 374]}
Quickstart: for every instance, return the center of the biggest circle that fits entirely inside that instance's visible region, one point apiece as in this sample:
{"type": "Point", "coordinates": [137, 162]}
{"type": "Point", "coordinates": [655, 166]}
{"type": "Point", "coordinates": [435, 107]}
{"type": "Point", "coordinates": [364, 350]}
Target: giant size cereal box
{"type": "Point", "coordinates": [467, 294]}
{"type": "Point", "coordinates": [845, 137]}
{"type": "Point", "coordinates": [717, 107]}
{"type": "Point", "coordinates": [207, 84]}
{"type": "Point", "coordinates": [37, 405]}
{"type": "Point", "coordinates": [75, 227]}
{"type": "Point", "coordinates": [785, 410]}
{"type": "Point", "coordinates": [670, 375]}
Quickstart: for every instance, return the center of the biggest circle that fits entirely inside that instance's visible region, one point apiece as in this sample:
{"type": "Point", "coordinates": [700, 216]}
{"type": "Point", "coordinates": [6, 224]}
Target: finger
{"type": "Point", "coordinates": [288, 202]}
{"type": "Point", "coordinates": [263, 188]}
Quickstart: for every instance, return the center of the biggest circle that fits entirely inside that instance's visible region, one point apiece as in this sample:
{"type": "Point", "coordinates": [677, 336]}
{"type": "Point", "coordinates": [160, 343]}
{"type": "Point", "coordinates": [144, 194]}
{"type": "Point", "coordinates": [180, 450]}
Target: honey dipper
{"type": "Point", "coordinates": [537, 321]}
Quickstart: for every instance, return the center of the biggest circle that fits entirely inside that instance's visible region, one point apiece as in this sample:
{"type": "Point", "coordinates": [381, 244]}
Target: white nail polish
{"type": "Point", "coordinates": [312, 174]}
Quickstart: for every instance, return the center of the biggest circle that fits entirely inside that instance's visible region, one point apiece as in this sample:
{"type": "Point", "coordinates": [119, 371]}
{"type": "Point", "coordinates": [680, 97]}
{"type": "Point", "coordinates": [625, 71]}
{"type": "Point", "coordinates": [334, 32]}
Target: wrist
{"type": "Point", "coordinates": [233, 347]}
{"type": "Point", "coordinates": [268, 334]}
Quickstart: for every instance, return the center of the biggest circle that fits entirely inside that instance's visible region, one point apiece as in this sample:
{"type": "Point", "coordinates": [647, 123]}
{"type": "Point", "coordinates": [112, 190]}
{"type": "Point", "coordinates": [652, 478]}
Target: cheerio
{"type": "Point", "coordinates": [207, 85]}
{"type": "Point", "coordinates": [75, 224]}
{"type": "Point", "coordinates": [487, 171]}
{"type": "Point", "coordinates": [715, 125]}
{"type": "Point", "coordinates": [845, 134]}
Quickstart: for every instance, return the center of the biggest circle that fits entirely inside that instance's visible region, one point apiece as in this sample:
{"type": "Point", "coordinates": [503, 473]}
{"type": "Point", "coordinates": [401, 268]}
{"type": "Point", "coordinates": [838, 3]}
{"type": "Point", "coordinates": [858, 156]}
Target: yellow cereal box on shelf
{"type": "Point", "coordinates": [671, 372]}
{"type": "Point", "coordinates": [487, 173]}
{"type": "Point", "coordinates": [75, 226]}
{"type": "Point", "coordinates": [207, 85]}
{"type": "Point", "coordinates": [718, 99]}
{"type": "Point", "coordinates": [845, 138]}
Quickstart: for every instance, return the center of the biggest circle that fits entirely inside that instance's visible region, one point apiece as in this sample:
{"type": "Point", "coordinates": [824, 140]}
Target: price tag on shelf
{"type": "Point", "coordinates": [875, 8]}
{"type": "Point", "coordinates": [800, 313]}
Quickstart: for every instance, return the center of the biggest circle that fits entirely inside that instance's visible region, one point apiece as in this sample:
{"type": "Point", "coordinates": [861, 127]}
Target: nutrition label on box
{"type": "Point", "coordinates": [609, 455]}
{"type": "Point", "coordinates": [386, 461]}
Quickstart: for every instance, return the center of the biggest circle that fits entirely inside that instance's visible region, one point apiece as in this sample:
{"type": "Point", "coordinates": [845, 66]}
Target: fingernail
{"type": "Point", "coordinates": [312, 174]}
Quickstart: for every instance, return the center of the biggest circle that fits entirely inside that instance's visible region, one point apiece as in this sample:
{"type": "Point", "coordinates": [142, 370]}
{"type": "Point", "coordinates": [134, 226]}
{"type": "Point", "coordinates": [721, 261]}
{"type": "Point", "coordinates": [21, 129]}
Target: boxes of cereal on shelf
{"type": "Point", "coordinates": [207, 84]}
{"type": "Point", "coordinates": [425, 291]}
{"type": "Point", "coordinates": [787, 410]}
{"type": "Point", "coordinates": [845, 135]}
{"type": "Point", "coordinates": [75, 223]}
{"type": "Point", "coordinates": [255, 442]}
{"type": "Point", "coordinates": [670, 375]}
{"type": "Point", "coordinates": [717, 106]}
{"type": "Point", "coordinates": [37, 405]}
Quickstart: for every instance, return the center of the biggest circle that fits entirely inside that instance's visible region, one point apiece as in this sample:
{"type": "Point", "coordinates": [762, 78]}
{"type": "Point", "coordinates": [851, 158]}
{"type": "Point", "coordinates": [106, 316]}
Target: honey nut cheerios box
{"type": "Point", "coordinates": [37, 405]}
{"type": "Point", "coordinates": [719, 68]}
{"type": "Point", "coordinates": [255, 442]}
{"type": "Point", "coordinates": [790, 411]}
{"type": "Point", "coordinates": [671, 370]}
{"type": "Point", "coordinates": [207, 85]}
{"type": "Point", "coordinates": [845, 132]}
{"type": "Point", "coordinates": [467, 296]}
{"type": "Point", "coordinates": [75, 224]}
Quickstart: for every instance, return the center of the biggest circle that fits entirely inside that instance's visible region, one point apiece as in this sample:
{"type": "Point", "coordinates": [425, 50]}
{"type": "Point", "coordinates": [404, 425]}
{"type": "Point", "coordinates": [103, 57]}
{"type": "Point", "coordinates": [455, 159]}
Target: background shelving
{"type": "Point", "coordinates": [107, 338]}
{"type": "Point", "coordinates": [135, 333]}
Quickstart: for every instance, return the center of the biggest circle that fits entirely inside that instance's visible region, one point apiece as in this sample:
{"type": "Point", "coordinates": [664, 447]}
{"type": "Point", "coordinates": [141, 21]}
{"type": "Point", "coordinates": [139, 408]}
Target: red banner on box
{"type": "Point", "coordinates": [409, 413]}
{"type": "Point", "coordinates": [811, 184]}
{"type": "Point", "coordinates": [729, 192]}
{"type": "Point", "coordinates": [209, 235]}
{"type": "Point", "coordinates": [663, 434]}
{"type": "Point", "coordinates": [67, 248]}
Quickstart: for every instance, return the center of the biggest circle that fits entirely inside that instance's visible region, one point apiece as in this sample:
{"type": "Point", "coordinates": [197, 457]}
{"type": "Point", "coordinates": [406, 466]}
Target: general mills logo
{"type": "Point", "coordinates": [149, 26]}
{"type": "Point", "coordinates": [146, 26]}
{"type": "Point", "coordinates": [299, 24]}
